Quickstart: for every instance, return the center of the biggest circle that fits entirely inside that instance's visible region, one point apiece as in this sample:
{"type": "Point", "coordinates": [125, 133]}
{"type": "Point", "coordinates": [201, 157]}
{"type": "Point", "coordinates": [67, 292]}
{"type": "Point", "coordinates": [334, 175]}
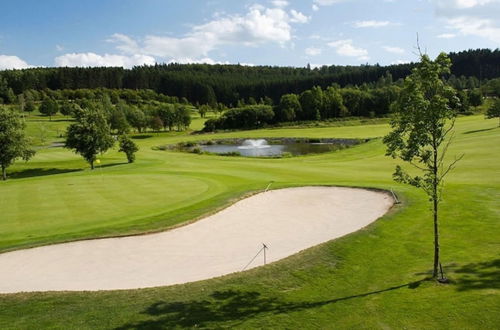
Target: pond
{"type": "Point", "coordinates": [276, 148]}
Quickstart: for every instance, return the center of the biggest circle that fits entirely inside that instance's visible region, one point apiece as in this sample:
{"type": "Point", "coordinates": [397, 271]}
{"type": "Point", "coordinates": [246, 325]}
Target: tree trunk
{"type": "Point", "coordinates": [436, 240]}
{"type": "Point", "coordinates": [92, 165]}
{"type": "Point", "coordinates": [4, 173]}
{"type": "Point", "coordinates": [435, 214]}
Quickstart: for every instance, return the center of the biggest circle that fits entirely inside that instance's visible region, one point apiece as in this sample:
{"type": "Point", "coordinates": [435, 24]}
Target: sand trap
{"type": "Point", "coordinates": [287, 220]}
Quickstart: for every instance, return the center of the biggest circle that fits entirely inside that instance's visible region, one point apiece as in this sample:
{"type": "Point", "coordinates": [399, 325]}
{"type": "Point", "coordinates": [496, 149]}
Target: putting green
{"type": "Point", "coordinates": [68, 203]}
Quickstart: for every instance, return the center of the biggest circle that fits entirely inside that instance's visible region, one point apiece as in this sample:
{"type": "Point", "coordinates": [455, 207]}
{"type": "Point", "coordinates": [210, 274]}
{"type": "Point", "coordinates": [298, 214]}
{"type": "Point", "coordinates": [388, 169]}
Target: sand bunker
{"type": "Point", "coordinates": [287, 220]}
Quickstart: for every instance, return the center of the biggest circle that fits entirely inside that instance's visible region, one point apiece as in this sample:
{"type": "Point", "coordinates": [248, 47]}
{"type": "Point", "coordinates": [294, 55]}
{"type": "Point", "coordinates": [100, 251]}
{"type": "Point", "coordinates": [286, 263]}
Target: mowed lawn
{"type": "Point", "coordinates": [374, 278]}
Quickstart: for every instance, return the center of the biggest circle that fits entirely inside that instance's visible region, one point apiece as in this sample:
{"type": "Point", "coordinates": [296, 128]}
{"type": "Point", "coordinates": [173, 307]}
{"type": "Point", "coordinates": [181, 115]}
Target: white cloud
{"type": "Point", "coordinates": [280, 3]}
{"type": "Point", "coordinates": [472, 3]}
{"type": "Point", "coordinates": [346, 48]}
{"type": "Point", "coordinates": [471, 17]}
{"type": "Point", "coordinates": [313, 51]}
{"type": "Point", "coordinates": [260, 25]}
{"type": "Point", "coordinates": [326, 2]}
{"type": "Point", "coordinates": [8, 62]}
{"type": "Point", "coordinates": [320, 3]}
{"type": "Point", "coordinates": [446, 36]}
{"type": "Point", "coordinates": [125, 43]}
{"type": "Point", "coordinates": [394, 50]}
{"type": "Point", "coordinates": [371, 23]}
{"type": "Point", "coordinates": [400, 62]}
{"type": "Point", "coordinates": [205, 60]}
{"type": "Point", "coordinates": [59, 48]}
{"type": "Point", "coordinates": [468, 26]}
{"type": "Point", "coordinates": [298, 17]}
{"type": "Point", "coordinates": [92, 59]}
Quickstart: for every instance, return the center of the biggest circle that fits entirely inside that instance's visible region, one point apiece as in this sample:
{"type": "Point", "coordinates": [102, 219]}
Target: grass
{"type": "Point", "coordinates": [374, 278]}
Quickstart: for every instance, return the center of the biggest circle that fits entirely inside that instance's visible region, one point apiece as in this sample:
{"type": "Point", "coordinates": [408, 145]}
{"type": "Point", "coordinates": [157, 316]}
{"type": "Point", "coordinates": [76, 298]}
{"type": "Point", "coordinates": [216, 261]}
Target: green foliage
{"type": "Point", "coordinates": [203, 110]}
{"type": "Point", "coordinates": [494, 110]}
{"type": "Point", "coordinates": [166, 112]}
{"type": "Point", "coordinates": [475, 97]}
{"type": "Point", "coordinates": [128, 147]}
{"type": "Point", "coordinates": [289, 108]}
{"type": "Point", "coordinates": [182, 117]}
{"type": "Point", "coordinates": [48, 107]}
{"type": "Point", "coordinates": [420, 129]}
{"type": "Point", "coordinates": [247, 117]}
{"type": "Point", "coordinates": [13, 142]}
{"type": "Point", "coordinates": [90, 135]}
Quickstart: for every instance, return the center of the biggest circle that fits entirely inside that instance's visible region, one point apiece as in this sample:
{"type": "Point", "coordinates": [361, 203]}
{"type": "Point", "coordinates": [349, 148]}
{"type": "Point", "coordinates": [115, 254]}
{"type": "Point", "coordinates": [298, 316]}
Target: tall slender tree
{"type": "Point", "coordinates": [422, 128]}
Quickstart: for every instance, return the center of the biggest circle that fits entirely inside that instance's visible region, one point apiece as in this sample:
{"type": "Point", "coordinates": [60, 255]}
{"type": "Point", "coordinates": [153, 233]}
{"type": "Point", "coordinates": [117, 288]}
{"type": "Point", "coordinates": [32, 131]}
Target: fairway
{"type": "Point", "coordinates": [374, 277]}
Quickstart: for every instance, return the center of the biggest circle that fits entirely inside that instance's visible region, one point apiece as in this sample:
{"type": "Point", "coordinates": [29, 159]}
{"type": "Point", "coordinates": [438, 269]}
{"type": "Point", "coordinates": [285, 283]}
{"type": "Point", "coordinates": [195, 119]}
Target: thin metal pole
{"type": "Point", "coordinates": [265, 248]}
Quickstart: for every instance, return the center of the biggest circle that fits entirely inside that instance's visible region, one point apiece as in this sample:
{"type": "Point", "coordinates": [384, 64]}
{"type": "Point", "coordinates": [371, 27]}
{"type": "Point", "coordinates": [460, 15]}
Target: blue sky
{"type": "Point", "coordinates": [261, 32]}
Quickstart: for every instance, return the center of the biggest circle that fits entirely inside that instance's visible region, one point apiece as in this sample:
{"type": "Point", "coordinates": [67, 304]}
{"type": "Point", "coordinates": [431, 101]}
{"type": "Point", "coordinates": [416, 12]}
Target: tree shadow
{"type": "Point", "coordinates": [475, 276]}
{"type": "Point", "coordinates": [111, 165]}
{"type": "Point", "coordinates": [34, 172]}
{"type": "Point", "coordinates": [230, 305]}
{"type": "Point", "coordinates": [141, 137]}
{"type": "Point", "coordinates": [479, 130]}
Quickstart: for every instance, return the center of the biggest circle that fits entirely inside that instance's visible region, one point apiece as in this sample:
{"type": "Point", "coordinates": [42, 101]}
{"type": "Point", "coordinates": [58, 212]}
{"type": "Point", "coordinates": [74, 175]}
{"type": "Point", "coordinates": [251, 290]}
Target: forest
{"type": "Point", "coordinates": [230, 84]}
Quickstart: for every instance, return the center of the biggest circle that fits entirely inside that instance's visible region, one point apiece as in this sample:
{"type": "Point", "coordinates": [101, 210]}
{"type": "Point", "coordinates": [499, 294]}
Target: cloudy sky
{"type": "Point", "coordinates": [260, 32]}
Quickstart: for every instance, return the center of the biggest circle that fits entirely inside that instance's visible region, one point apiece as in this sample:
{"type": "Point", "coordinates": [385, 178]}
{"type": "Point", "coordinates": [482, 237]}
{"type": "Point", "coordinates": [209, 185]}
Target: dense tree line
{"type": "Point", "coordinates": [231, 84]}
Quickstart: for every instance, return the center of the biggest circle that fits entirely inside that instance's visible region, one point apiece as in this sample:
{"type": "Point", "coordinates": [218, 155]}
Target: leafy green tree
{"type": "Point", "coordinates": [203, 109]}
{"type": "Point", "coordinates": [128, 147]}
{"type": "Point", "coordinates": [494, 110]}
{"type": "Point", "coordinates": [289, 108]}
{"type": "Point", "coordinates": [166, 112]}
{"type": "Point", "coordinates": [68, 108]}
{"type": "Point", "coordinates": [48, 107]}
{"type": "Point", "coordinates": [13, 142]}
{"type": "Point", "coordinates": [90, 135]}
{"type": "Point", "coordinates": [137, 119]}
{"type": "Point", "coordinates": [475, 97]}
{"type": "Point", "coordinates": [118, 121]}
{"type": "Point", "coordinates": [421, 126]}
{"type": "Point", "coordinates": [182, 117]}
{"type": "Point", "coordinates": [155, 123]}
{"type": "Point", "coordinates": [29, 101]}
{"type": "Point", "coordinates": [333, 105]}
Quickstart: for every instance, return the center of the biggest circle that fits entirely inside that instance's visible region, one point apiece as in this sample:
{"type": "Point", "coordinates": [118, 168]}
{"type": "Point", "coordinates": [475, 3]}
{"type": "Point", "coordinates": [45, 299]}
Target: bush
{"type": "Point", "coordinates": [247, 117]}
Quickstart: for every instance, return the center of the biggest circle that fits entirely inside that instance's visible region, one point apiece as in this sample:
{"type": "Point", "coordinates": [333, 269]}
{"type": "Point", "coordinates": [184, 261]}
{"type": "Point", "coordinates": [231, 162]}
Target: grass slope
{"type": "Point", "coordinates": [374, 278]}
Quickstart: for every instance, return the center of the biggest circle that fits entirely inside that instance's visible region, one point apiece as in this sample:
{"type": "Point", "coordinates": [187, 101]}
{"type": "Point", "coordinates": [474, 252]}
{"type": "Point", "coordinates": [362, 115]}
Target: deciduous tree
{"type": "Point", "coordinates": [13, 142]}
{"type": "Point", "coordinates": [422, 126]}
{"type": "Point", "coordinates": [90, 135]}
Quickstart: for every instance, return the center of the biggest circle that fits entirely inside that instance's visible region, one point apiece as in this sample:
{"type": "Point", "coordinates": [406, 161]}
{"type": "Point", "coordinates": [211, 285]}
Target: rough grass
{"type": "Point", "coordinates": [374, 278]}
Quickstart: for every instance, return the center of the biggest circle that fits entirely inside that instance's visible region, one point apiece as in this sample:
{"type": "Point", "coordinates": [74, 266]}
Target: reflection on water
{"type": "Point", "coordinates": [271, 150]}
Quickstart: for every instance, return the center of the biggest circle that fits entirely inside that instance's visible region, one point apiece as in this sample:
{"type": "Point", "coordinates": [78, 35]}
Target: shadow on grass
{"type": "Point", "coordinates": [473, 276]}
{"type": "Point", "coordinates": [230, 306]}
{"type": "Point", "coordinates": [142, 136]}
{"type": "Point", "coordinates": [110, 165]}
{"type": "Point", "coordinates": [33, 172]}
{"type": "Point", "coordinates": [479, 130]}
{"type": "Point", "coordinates": [480, 275]}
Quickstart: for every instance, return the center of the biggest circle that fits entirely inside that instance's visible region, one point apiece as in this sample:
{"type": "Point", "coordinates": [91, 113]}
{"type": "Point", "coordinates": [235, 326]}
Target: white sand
{"type": "Point", "coordinates": [287, 220]}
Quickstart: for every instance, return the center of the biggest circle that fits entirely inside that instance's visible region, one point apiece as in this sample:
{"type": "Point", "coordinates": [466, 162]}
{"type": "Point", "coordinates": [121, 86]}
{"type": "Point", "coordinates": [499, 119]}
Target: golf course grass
{"type": "Point", "coordinates": [374, 278]}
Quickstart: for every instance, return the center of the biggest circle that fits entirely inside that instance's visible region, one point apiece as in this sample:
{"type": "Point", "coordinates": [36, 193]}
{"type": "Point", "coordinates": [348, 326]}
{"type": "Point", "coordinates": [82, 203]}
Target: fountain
{"type": "Point", "coordinates": [254, 144]}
